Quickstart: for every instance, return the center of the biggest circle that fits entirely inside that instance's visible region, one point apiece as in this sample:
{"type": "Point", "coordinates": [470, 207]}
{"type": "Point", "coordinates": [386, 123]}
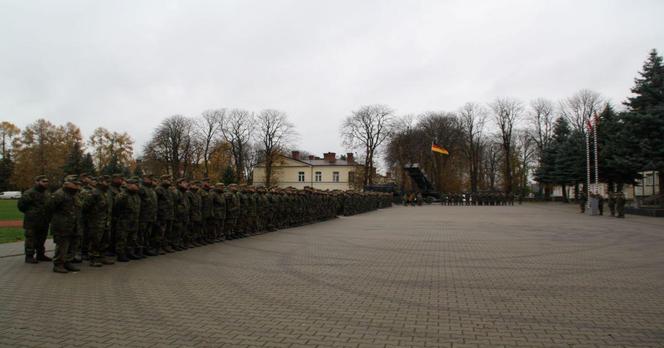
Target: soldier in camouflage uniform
{"type": "Point", "coordinates": [612, 204]}
{"type": "Point", "coordinates": [64, 207]}
{"type": "Point", "coordinates": [36, 218]}
{"type": "Point", "coordinates": [117, 180]}
{"type": "Point", "coordinates": [233, 206]}
{"type": "Point", "coordinates": [147, 226]}
{"type": "Point", "coordinates": [128, 207]}
{"type": "Point", "coordinates": [181, 221]}
{"type": "Point", "coordinates": [81, 245]}
{"type": "Point", "coordinates": [165, 215]}
{"type": "Point", "coordinates": [195, 214]}
{"type": "Point", "coordinates": [97, 208]}
{"type": "Point", "coordinates": [219, 208]}
{"type": "Point", "coordinates": [206, 212]}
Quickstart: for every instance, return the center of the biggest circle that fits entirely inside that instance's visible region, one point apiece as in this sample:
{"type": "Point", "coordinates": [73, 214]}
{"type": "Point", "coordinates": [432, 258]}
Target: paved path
{"type": "Point", "coordinates": [532, 275]}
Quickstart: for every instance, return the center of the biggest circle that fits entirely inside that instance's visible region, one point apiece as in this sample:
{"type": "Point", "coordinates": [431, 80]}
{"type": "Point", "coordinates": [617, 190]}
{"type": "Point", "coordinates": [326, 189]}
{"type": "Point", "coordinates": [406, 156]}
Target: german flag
{"type": "Point", "coordinates": [439, 149]}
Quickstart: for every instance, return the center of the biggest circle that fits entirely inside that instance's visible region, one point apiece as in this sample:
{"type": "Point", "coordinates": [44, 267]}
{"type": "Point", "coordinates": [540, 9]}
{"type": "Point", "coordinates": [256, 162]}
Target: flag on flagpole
{"type": "Point", "coordinates": [439, 149]}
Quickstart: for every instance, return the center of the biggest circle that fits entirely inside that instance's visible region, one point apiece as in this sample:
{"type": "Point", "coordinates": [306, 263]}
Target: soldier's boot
{"type": "Point", "coordinates": [106, 260]}
{"type": "Point", "coordinates": [168, 249]}
{"type": "Point", "coordinates": [85, 256]}
{"type": "Point", "coordinates": [30, 259]}
{"type": "Point", "coordinates": [151, 252]}
{"type": "Point", "coordinates": [77, 258]}
{"type": "Point", "coordinates": [140, 252]}
{"type": "Point", "coordinates": [122, 257]}
{"type": "Point", "coordinates": [59, 269]}
{"type": "Point", "coordinates": [95, 262]}
{"type": "Point", "coordinates": [43, 257]}
{"type": "Point", "coordinates": [131, 254]}
{"type": "Point", "coordinates": [71, 267]}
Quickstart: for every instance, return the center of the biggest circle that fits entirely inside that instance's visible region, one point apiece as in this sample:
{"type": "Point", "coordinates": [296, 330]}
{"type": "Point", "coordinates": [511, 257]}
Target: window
{"type": "Point", "coordinates": [335, 176]}
{"type": "Point", "coordinates": [319, 176]}
{"type": "Point", "coordinates": [300, 176]}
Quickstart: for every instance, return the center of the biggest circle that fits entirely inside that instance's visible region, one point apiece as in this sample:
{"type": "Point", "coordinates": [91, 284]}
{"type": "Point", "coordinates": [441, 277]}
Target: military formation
{"type": "Point", "coordinates": [478, 198]}
{"type": "Point", "coordinates": [111, 219]}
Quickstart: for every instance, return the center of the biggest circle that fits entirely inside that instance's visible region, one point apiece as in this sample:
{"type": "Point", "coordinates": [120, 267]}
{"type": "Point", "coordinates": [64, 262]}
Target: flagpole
{"type": "Point", "coordinates": [596, 155]}
{"type": "Point", "coordinates": [588, 168]}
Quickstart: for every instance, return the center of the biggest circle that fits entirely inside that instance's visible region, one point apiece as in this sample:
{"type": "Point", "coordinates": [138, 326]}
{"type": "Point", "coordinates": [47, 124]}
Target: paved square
{"type": "Point", "coordinates": [432, 276]}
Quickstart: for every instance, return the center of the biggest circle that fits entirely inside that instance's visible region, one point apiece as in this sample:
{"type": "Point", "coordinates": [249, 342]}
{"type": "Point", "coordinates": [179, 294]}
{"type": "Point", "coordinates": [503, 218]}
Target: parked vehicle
{"type": "Point", "coordinates": [10, 195]}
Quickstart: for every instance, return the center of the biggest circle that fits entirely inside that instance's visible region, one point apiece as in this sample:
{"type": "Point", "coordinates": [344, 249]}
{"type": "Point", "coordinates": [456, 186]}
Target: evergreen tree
{"type": "Point", "coordinates": [88, 165]}
{"type": "Point", "coordinates": [643, 126]}
{"type": "Point", "coordinates": [6, 169]}
{"type": "Point", "coordinates": [229, 176]}
{"type": "Point", "coordinates": [649, 88]}
{"type": "Point", "coordinates": [113, 166]}
{"type": "Point", "coordinates": [138, 171]}
{"type": "Point", "coordinates": [74, 162]}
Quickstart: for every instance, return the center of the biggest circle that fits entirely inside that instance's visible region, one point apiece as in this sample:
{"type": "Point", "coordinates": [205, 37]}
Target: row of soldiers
{"type": "Point", "coordinates": [108, 219]}
{"type": "Point", "coordinates": [478, 198]}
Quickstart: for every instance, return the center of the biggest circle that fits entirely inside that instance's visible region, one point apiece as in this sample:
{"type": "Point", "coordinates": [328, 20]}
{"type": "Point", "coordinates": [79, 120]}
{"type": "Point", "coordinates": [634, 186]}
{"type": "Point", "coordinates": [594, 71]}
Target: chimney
{"type": "Point", "coordinates": [311, 157]}
{"type": "Point", "coordinates": [349, 157]}
{"type": "Point", "coordinates": [330, 157]}
{"type": "Point", "coordinates": [295, 155]}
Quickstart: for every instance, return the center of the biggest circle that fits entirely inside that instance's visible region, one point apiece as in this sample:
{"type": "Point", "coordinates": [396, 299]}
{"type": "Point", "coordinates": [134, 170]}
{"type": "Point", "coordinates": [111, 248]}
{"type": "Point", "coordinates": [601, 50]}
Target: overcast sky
{"type": "Point", "coordinates": [126, 65]}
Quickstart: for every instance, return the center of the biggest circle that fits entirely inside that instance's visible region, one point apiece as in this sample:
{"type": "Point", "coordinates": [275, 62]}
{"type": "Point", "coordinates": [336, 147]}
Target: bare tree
{"type": "Point", "coordinates": [580, 107]}
{"type": "Point", "coordinates": [237, 130]}
{"type": "Point", "coordinates": [172, 143]}
{"type": "Point", "coordinates": [473, 118]}
{"type": "Point", "coordinates": [208, 128]}
{"type": "Point", "coordinates": [541, 116]}
{"type": "Point", "coordinates": [526, 149]}
{"type": "Point", "coordinates": [366, 129]}
{"type": "Point", "coordinates": [507, 112]}
{"type": "Point", "coordinates": [491, 163]}
{"type": "Point", "coordinates": [274, 134]}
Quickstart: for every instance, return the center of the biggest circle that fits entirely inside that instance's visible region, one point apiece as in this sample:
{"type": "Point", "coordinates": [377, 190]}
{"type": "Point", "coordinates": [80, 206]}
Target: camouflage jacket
{"type": "Point", "coordinates": [64, 208]}
{"type": "Point", "coordinates": [33, 206]}
{"type": "Point", "coordinates": [128, 210]}
{"type": "Point", "coordinates": [195, 205]}
{"type": "Point", "coordinates": [149, 202]}
{"type": "Point", "coordinates": [165, 204]}
{"type": "Point", "coordinates": [97, 208]}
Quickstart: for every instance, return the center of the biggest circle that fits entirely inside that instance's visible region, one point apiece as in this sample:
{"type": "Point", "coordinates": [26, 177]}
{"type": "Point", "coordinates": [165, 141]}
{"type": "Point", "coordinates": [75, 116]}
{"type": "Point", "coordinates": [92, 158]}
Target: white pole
{"type": "Point", "coordinates": [596, 158]}
{"type": "Point", "coordinates": [588, 167]}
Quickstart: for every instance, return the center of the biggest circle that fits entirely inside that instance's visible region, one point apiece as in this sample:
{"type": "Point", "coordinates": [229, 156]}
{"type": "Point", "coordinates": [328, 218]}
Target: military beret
{"type": "Point", "coordinates": [221, 184]}
{"type": "Point", "coordinates": [84, 175]}
{"type": "Point", "coordinates": [118, 175]}
{"type": "Point", "coordinates": [40, 177]}
{"type": "Point", "coordinates": [206, 179]}
{"type": "Point", "coordinates": [181, 180]}
{"type": "Point", "coordinates": [165, 177]}
{"type": "Point", "coordinates": [196, 182]}
{"type": "Point", "coordinates": [103, 178]}
{"type": "Point", "coordinates": [148, 176]}
{"type": "Point", "coordinates": [132, 181]}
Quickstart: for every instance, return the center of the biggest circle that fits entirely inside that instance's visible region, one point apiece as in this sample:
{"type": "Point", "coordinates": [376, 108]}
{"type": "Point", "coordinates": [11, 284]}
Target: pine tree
{"type": "Point", "coordinates": [74, 162]}
{"type": "Point", "coordinates": [229, 176]}
{"type": "Point", "coordinates": [113, 166]}
{"type": "Point", "coordinates": [643, 126]}
{"type": "Point", "coordinates": [649, 88]}
{"type": "Point", "coordinates": [87, 165]}
{"type": "Point", "coordinates": [6, 169]}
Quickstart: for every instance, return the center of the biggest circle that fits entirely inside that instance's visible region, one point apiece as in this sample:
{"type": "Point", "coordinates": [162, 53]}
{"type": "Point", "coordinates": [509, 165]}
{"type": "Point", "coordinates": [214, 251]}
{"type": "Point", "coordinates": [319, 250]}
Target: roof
{"type": "Point", "coordinates": [315, 162]}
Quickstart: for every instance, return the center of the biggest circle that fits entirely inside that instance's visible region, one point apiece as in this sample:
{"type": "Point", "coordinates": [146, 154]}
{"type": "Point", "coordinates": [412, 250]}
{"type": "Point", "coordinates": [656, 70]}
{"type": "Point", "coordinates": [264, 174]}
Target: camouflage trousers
{"type": "Point", "coordinates": [162, 234]}
{"type": "Point", "coordinates": [97, 238]}
{"type": "Point", "coordinates": [126, 239]}
{"type": "Point", "coordinates": [35, 237]}
{"type": "Point", "coordinates": [180, 233]}
{"type": "Point", "coordinates": [195, 232]}
{"type": "Point", "coordinates": [64, 247]}
{"type": "Point", "coordinates": [144, 239]}
{"type": "Point", "coordinates": [230, 228]}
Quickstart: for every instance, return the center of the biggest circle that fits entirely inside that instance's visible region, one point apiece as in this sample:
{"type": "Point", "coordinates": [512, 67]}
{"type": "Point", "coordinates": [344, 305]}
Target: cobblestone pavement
{"type": "Point", "coordinates": [432, 276]}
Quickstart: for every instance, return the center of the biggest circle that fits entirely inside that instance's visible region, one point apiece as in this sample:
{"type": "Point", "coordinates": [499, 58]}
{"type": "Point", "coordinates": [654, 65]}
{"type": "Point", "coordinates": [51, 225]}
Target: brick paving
{"type": "Point", "coordinates": [532, 275]}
